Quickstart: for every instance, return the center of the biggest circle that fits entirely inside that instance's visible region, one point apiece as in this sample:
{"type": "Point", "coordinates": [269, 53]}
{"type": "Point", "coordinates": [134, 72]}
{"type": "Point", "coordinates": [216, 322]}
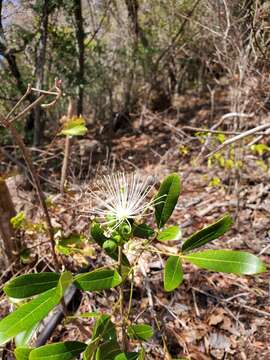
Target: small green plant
{"type": "Point", "coordinates": [122, 206]}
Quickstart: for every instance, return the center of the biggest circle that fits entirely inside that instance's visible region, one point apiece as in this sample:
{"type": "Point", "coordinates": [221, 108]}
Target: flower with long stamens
{"type": "Point", "coordinates": [121, 197]}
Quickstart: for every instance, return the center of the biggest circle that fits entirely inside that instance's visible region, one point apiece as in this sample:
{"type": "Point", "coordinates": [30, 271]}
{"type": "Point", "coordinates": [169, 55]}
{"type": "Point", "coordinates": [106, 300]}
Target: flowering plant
{"type": "Point", "coordinates": [122, 202]}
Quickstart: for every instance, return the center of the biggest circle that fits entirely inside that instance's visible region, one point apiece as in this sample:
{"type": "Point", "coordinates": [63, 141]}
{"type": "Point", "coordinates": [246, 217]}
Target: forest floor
{"type": "Point", "coordinates": [211, 315]}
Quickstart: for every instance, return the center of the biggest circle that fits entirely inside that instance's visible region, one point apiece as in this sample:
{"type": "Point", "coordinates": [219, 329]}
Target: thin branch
{"type": "Point", "coordinates": [239, 137]}
{"type": "Point", "coordinates": [29, 163]}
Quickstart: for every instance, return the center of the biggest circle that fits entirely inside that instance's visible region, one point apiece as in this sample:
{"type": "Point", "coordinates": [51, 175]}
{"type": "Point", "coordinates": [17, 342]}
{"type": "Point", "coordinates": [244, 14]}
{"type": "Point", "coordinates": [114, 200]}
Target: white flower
{"type": "Point", "coordinates": [121, 197]}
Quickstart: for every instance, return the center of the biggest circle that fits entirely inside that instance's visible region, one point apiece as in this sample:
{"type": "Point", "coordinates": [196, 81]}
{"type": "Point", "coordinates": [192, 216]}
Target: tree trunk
{"type": "Point", "coordinates": [80, 36]}
{"type": "Point", "coordinates": [39, 71]}
{"type": "Point", "coordinates": [7, 211]}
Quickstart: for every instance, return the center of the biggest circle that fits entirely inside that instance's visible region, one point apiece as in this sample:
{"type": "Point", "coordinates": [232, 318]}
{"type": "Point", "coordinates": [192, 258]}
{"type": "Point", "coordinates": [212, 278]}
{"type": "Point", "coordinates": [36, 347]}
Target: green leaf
{"type": "Point", "coordinates": [91, 349]}
{"type": "Point", "coordinates": [71, 240]}
{"type": "Point", "coordinates": [18, 220]}
{"type": "Point", "coordinates": [104, 328]}
{"type": "Point", "coordinates": [98, 280]}
{"type": "Point", "coordinates": [25, 255]}
{"type": "Point", "coordinates": [172, 233]}
{"type": "Point", "coordinates": [166, 199]}
{"type": "Point", "coordinates": [70, 244]}
{"type": "Point", "coordinates": [127, 356]}
{"type": "Point", "coordinates": [140, 332]}
{"type": "Point", "coordinates": [173, 273]}
{"type": "Point", "coordinates": [97, 234]}
{"type": "Point", "coordinates": [228, 261]}
{"type": "Point", "coordinates": [28, 285]}
{"type": "Point", "coordinates": [74, 127]}
{"type": "Point", "coordinates": [22, 353]}
{"type": "Point", "coordinates": [59, 351]}
{"type": "Point", "coordinates": [64, 281]}
{"type": "Point", "coordinates": [27, 315]}
{"type": "Point", "coordinates": [108, 351]}
{"type": "Point", "coordinates": [23, 338]}
{"type": "Point", "coordinates": [143, 231]}
{"type": "Point", "coordinates": [208, 234]}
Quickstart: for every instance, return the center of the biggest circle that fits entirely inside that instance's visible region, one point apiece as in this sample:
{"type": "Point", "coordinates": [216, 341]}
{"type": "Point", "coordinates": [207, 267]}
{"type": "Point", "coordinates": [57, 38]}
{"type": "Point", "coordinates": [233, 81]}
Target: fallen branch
{"type": "Point", "coordinates": [239, 137]}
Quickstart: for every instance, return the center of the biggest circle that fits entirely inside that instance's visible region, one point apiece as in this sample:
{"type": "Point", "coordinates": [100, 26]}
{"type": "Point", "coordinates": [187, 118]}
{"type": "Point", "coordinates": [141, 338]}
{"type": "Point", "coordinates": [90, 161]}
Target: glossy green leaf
{"type": "Point", "coordinates": [172, 233]}
{"type": "Point", "coordinates": [22, 353]}
{"type": "Point", "coordinates": [143, 231]}
{"type": "Point", "coordinates": [63, 283]}
{"type": "Point", "coordinates": [23, 338]}
{"type": "Point", "coordinates": [104, 328]}
{"type": "Point", "coordinates": [108, 350]}
{"type": "Point", "coordinates": [98, 280]}
{"type": "Point", "coordinates": [98, 236]}
{"type": "Point", "coordinates": [58, 351]}
{"type": "Point", "coordinates": [31, 284]}
{"type": "Point", "coordinates": [208, 234]}
{"type": "Point", "coordinates": [91, 349]}
{"type": "Point", "coordinates": [127, 356]}
{"type": "Point", "coordinates": [228, 261]}
{"type": "Point", "coordinates": [166, 199]}
{"type": "Point", "coordinates": [74, 127]}
{"type": "Point", "coordinates": [173, 273]}
{"type": "Point", "coordinates": [27, 315]}
{"type": "Point", "coordinates": [140, 332]}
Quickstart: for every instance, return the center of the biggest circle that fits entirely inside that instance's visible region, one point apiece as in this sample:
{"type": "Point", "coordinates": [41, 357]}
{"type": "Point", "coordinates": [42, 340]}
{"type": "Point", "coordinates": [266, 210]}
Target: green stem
{"type": "Point", "coordinates": [121, 295]}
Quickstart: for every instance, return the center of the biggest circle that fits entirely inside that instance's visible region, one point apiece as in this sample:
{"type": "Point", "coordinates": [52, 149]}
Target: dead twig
{"type": "Point", "coordinates": [238, 137]}
{"type": "Point", "coordinates": [8, 124]}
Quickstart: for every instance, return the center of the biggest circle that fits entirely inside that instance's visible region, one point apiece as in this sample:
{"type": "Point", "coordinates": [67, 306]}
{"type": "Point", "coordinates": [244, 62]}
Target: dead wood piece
{"type": "Point", "coordinates": [7, 211]}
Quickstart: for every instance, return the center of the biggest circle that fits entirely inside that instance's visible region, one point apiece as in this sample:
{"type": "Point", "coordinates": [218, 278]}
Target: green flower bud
{"type": "Point", "coordinates": [117, 238]}
{"type": "Point", "coordinates": [109, 245]}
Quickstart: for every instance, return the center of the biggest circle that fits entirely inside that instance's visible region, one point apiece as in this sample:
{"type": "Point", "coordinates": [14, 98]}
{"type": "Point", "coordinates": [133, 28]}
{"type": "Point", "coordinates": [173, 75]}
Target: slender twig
{"type": "Point", "coordinates": [20, 101]}
{"type": "Point", "coordinates": [29, 163]}
{"type": "Point", "coordinates": [239, 137]}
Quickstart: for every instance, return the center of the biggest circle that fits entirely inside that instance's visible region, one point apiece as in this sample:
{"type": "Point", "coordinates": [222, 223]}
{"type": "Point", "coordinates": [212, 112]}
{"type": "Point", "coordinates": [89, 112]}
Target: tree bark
{"type": "Point", "coordinates": [39, 70]}
{"type": "Point", "coordinates": [80, 36]}
{"type": "Point", "coordinates": [8, 235]}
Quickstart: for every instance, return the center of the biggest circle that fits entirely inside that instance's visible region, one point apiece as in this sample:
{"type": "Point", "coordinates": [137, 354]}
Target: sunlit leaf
{"type": "Point", "coordinates": [208, 234]}
{"type": "Point", "coordinates": [24, 338]}
{"type": "Point", "coordinates": [58, 351]}
{"type": "Point", "coordinates": [31, 284]}
{"type": "Point", "coordinates": [140, 332]}
{"type": "Point", "coordinates": [22, 353]}
{"type": "Point", "coordinates": [228, 261]}
{"type": "Point", "coordinates": [74, 127]}
{"type": "Point", "coordinates": [98, 280]}
{"type": "Point", "coordinates": [166, 199]}
{"type": "Point", "coordinates": [173, 273]}
{"type": "Point", "coordinates": [172, 233]}
{"type": "Point", "coordinates": [27, 315]}
{"type": "Point", "coordinates": [18, 220]}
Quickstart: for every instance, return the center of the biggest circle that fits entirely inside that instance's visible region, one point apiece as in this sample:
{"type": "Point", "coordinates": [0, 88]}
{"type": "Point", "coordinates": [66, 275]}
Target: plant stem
{"type": "Point", "coordinates": [121, 298]}
{"type": "Point", "coordinates": [65, 164]}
